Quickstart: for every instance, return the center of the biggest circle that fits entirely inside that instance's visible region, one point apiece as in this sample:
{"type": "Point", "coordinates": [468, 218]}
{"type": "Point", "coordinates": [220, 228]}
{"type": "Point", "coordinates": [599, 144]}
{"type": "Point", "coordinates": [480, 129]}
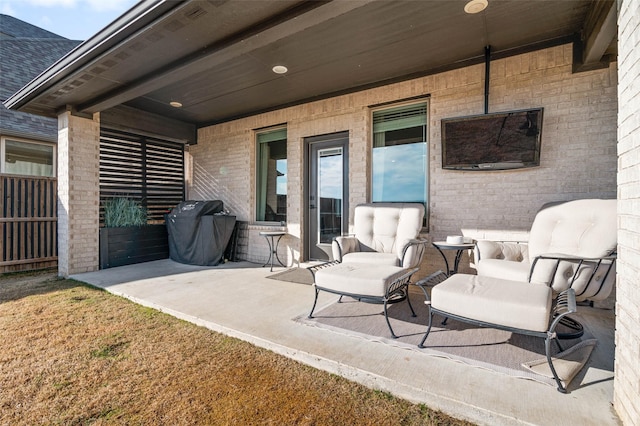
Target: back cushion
{"type": "Point", "coordinates": [585, 228]}
{"type": "Point", "coordinates": [387, 227]}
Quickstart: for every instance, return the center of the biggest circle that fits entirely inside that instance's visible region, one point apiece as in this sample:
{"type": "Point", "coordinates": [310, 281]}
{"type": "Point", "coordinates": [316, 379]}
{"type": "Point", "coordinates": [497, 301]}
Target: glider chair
{"type": "Point", "coordinates": [376, 264]}
{"type": "Point", "coordinates": [571, 245]}
{"type": "Point", "coordinates": [384, 234]}
{"type": "Point", "coordinates": [531, 288]}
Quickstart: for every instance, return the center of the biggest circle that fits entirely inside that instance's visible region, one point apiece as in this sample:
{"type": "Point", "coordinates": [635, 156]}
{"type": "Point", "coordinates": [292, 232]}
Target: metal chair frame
{"type": "Point", "coordinates": [397, 292]}
{"type": "Point", "coordinates": [575, 327]}
{"type": "Point", "coordinates": [564, 305]}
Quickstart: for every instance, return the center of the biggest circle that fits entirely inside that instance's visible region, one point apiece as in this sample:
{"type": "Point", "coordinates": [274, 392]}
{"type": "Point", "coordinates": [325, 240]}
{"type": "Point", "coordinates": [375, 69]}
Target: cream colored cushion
{"type": "Point", "coordinates": [371, 257]}
{"type": "Point", "coordinates": [361, 279]}
{"type": "Point", "coordinates": [495, 301]}
{"type": "Point", "coordinates": [383, 228]}
{"type": "Point", "coordinates": [504, 269]}
{"type": "Point", "coordinates": [509, 251]}
{"type": "Point", "coordinates": [387, 227]}
{"type": "Point", "coordinates": [344, 245]}
{"type": "Point", "coordinates": [581, 228]}
{"type": "Point", "coordinates": [585, 228]}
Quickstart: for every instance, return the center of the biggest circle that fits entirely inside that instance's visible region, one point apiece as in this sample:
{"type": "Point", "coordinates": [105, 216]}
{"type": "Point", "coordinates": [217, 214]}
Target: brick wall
{"type": "Point", "coordinates": [627, 359]}
{"type": "Point", "coordinates": [578, 157]}
{"type": "Point", "coordinates": [78, 194]}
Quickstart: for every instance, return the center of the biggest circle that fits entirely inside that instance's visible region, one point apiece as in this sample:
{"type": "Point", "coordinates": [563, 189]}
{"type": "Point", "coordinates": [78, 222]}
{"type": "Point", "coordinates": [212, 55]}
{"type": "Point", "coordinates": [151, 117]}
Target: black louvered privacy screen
{"type": "Point", "coordinates": [142, 168]}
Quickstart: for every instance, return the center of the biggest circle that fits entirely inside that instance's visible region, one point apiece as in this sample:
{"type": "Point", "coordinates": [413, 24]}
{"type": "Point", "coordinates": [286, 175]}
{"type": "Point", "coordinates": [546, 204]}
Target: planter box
{"type": "Point", "coordinates": [133, 244]}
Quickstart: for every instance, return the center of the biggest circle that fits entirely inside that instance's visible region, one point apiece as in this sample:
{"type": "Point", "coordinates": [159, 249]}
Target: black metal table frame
{"type": "Point", "coordinates": [459, 249]}
{"type": "Point", "coordinates": [273, 248]}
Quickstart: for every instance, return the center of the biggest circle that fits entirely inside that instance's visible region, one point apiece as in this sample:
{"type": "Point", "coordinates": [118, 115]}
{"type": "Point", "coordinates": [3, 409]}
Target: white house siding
{"type": "Point", "coordinates": [627, 377]}
{"type": "Point", "coordinates": [578, 157]}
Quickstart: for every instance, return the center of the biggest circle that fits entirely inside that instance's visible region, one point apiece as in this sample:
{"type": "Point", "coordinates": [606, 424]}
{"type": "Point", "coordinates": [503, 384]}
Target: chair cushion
{"type": "Point", "coordinates": [387, 227]}
{"type": "Point", "coordinates": [372, 257]}
{"type": "Point", "coordinates": [513, 251]}
{"type": "Point", "coordinates": [360, 279]}
{"type": "Point", "coordinates": [495, 301]}
{"type": "Point", "coordinates": [343, 245]}
{"type": "Point", "coordinates": [504, 269]}
{"type": "Point", "coordinates": [585, 228]}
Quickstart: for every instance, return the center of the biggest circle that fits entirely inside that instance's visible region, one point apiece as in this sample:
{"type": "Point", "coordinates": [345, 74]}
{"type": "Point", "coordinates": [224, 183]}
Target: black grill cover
{"type": "Point", "coordinates": [199, 232]}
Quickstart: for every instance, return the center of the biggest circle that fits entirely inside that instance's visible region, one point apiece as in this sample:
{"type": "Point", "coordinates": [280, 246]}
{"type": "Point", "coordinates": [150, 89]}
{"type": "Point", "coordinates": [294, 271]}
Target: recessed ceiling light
{"type": "Point", "coordinates": [475, 6]}
{"type": "Point", "coordinates": [279, 69]}
{"type": "Point", "coordinates": [175, 104]}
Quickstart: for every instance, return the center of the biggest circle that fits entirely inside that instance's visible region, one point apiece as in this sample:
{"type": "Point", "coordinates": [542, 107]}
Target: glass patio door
{"type": "Point", "coordinates": [327, 209]}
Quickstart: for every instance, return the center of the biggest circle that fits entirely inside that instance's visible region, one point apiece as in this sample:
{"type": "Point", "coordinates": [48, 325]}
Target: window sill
{"type": "Point", "coordinates": [267, 226]}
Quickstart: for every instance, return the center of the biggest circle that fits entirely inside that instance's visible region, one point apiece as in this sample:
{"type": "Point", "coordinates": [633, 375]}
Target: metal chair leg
{"type": "Point", "coordinates": [421, 344]}
{"type": "Point", "coordinates": [413, 313]}
{"type": "Point", "coordinates": [315, 301]}
{"type": "Point", "coordinates": [547, 349]}
{"type": "Point", "coordinates": [386, 317]}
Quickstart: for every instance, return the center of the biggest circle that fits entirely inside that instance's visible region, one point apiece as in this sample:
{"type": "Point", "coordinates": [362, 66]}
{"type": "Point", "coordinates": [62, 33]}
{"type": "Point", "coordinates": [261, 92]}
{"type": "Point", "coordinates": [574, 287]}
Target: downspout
{"type": "Point", "coordinates": [487, 61]}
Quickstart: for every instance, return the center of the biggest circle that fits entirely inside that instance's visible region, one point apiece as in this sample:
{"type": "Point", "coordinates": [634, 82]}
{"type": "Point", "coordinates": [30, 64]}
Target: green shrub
{"type": "Point", "coordinates": [122, 211]}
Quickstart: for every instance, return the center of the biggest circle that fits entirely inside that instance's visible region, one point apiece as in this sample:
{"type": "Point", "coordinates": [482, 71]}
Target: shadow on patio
{"type": "Point", "coordinates": [239, 300]}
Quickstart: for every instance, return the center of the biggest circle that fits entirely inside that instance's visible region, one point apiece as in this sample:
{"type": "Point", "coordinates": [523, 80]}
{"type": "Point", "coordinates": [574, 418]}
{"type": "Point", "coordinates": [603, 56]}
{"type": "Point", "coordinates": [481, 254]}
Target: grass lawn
{"type": "Point", "coordinates": [73, 354]}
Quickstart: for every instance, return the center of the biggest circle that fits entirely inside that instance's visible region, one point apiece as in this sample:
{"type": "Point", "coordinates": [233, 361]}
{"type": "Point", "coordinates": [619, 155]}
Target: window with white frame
{"type": "Point", "coordinates": [21, 157]}
{"type": "Point", "coordinates": [271, 180]}
{"type": "Point", "coordinates": [400, 154]}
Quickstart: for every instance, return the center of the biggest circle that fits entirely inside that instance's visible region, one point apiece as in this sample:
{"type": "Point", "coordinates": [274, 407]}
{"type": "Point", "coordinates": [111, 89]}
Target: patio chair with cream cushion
{"type": "Point", "coordinates": [571, 244]}
{"type": "Point", "coordinates": [384, 234]}
{"type": "Point", "coordinates": [568, 238]}
{"type": "Point", "coordinates": [531, 288]}
{"type": "Point", "coordinates": [376, 264]}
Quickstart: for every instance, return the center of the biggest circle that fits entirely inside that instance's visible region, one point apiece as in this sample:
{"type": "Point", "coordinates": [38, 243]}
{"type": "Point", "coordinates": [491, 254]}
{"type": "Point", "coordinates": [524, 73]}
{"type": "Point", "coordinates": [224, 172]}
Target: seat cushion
{"type": "Point", "coordinates": [504, 269]}
{"type": "Point", "coordinates": [360, 279]}
{"type": "Point", "coordinates": [372, 257]}
{"type": "Point", "coordinates": [495, 301]}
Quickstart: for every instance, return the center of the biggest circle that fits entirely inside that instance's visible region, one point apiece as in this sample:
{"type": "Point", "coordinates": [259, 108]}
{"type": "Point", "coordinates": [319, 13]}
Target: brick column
{"type": "Point", "coordinates": [78, 193]}
{"type": "Point", "coordinates": [626, 399]}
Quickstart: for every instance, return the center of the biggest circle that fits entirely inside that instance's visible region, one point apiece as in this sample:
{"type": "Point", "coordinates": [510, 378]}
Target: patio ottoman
{"type": "Point", "coordinates": [509, 303]}
{"type": "Point", "coordinates": [515, 306]}
{"type": "Point", "coordinates": [371, 283]}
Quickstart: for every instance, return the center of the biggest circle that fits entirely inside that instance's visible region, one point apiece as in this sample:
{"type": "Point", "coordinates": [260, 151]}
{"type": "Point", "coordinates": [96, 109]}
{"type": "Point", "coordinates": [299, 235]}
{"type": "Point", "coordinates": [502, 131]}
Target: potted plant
{"type": "Point", "coordinates": [126, 238]}
{"type": "Point", "coordinates": [120, 212]}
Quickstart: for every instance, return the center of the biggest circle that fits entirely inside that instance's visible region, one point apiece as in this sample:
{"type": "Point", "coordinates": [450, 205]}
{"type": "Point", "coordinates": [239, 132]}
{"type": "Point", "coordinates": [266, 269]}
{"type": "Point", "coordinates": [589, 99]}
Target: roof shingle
{"type": "Point", "coordinates": [25, 52]}
{"type": "Point", "coordinates": [11, 27]}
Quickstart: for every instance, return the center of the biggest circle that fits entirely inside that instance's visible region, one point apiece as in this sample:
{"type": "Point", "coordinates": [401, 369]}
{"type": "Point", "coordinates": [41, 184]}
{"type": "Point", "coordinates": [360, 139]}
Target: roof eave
{"type": "Point", "coordinates": [120, 30]}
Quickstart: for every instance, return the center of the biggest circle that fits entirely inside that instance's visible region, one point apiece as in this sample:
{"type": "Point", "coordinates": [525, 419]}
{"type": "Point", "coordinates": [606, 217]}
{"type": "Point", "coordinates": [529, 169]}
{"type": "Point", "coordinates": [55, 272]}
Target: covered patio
{"type": "Point", "coordinates": [238, 299]}
{"type": "Point", "coordinates": [207, 76]}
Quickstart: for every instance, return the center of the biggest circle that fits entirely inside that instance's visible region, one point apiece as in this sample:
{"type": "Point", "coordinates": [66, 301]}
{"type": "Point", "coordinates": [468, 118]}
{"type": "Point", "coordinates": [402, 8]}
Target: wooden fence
{"type": "Point", "coordinates": [28, 223]}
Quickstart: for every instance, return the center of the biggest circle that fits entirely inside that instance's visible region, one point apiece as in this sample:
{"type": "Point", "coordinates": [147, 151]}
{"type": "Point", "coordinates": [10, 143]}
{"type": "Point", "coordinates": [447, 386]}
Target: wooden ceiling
{"type": "Point", "coordinates": [216, 57]}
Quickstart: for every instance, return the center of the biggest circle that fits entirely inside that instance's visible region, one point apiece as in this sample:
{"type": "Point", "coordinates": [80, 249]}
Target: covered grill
{"type": "Point", "coordinates": [199, 232]}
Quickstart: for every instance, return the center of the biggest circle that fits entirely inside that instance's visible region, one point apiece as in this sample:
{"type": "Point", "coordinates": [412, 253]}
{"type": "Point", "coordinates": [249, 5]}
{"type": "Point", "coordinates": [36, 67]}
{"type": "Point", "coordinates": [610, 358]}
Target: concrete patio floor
{"type": "Point", "coordinates": [238, 300]}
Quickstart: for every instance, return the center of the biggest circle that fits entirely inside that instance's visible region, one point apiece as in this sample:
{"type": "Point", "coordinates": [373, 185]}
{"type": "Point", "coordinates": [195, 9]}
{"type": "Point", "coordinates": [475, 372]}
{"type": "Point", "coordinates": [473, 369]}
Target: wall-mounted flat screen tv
{"type": "Point", "coordinates": [496, 141]}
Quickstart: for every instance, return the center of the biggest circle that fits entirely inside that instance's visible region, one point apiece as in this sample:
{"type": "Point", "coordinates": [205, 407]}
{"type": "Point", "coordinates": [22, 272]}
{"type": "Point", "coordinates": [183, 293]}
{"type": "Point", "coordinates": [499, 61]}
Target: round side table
{"type": "Point", "coordinates": [273, 247]}
{"type": "Point", "coordinates": [459, 248]}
